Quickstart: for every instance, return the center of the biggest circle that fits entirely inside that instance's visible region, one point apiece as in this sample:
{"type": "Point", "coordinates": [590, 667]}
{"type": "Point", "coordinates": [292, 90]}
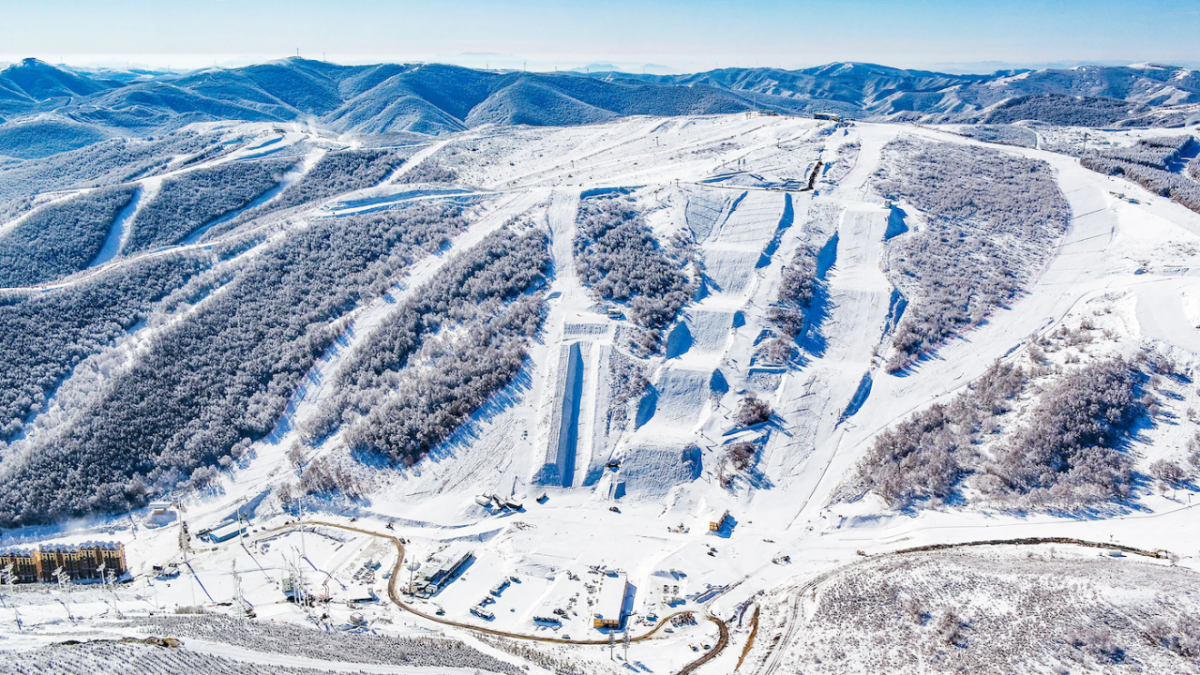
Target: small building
{"type": "Point", "coordinates": [223, 533]}
{"type": "Point", "coordinates": [717, 520]}
{"type": "Point", "coordinates": [611, 605]}
{"type": "Point", "coordinates": [829, 117]}
{"type": "Point", "coordinates": [161, 513]}
{"type": "Point", "coordinates": [439, 572]}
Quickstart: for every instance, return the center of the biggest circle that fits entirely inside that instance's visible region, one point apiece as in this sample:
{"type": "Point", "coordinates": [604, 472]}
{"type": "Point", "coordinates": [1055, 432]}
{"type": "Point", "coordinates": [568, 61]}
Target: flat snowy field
{"type": "Point", "coordinates": [791, 548]}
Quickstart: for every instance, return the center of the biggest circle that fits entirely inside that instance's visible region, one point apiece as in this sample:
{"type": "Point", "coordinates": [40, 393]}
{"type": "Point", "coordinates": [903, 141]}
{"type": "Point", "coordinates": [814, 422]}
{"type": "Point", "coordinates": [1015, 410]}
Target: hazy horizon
{"type": "Point", "coordinates": [662, 35]}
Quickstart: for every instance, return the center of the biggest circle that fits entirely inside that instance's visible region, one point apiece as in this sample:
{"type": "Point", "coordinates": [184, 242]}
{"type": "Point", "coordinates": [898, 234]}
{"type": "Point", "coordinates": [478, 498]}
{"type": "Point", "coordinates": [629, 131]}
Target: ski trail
{"type": "Point", "coordinates": [1078, 267]}
{"type": "Point", "coordinates": [859, 296]}
{"type": "Point", "coordinates": [118, 231]}
{"type": "Point", "coordinates": [572, 297]}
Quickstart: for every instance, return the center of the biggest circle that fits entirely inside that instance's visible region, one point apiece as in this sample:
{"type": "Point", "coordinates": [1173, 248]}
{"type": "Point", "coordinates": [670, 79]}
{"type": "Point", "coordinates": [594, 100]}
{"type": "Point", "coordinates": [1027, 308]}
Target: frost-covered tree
{"type": "Point", "coordinates": [1150, 163]}
{"type": "Point", "coordinates": [217, 380]}
{"type": "Point", "coordinates": [618, 256]}
{"type": "Point", "coordinates": [1070, 452]}
{"type": "Point", "coordinates": [61, 238]}
{"type": "Point", "coordinates": [341, 172]}
{"type": "Point", "coordinates": [468, 327]}
{"type": "Point", "coordinates": [187, 202]}
{"type": "Point", "coordinates": [753, 410]}
{"type": "Point", "coordinates": [43, 337]}
{"type": "Point", "coordinates": [992, 220]}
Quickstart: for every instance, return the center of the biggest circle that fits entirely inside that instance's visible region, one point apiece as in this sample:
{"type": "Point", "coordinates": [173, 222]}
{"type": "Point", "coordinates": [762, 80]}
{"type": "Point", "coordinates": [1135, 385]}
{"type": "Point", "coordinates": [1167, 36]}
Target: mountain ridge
{"type": "Point", "coordinates": [437, 98]}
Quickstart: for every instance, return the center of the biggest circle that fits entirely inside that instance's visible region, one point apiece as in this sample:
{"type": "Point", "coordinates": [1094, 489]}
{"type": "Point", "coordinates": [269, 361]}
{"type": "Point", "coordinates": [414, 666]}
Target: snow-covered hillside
{"type": "Point", "coordinates": [678, 351]}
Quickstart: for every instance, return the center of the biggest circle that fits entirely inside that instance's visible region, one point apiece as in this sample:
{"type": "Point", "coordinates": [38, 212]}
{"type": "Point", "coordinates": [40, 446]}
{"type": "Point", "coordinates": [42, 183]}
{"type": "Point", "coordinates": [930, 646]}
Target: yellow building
{"type": "Point", "coordinates": [91, 561]}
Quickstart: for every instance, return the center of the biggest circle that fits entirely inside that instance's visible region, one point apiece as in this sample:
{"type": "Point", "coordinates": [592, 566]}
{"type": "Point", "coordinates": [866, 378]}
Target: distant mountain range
{"type": "Point", "coordinates": [436, 99]}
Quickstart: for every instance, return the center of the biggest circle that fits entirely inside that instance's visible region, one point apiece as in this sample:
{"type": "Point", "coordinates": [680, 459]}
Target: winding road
{"type": "Point", "coordinates": [394, 596]}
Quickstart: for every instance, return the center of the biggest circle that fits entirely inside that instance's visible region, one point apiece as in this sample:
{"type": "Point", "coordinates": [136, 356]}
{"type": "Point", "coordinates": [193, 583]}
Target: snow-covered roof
{"type": "Point", "coordinates": [226, 531]}
{"type": "Point", "coordinates": [612, 598]}
{"type": "Point", "coordinates": [70, 548]}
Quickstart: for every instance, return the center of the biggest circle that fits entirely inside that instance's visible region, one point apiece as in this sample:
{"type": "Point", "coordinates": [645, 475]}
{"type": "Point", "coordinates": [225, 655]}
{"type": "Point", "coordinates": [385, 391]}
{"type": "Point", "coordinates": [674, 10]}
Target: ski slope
{"type": "Point", "coordinates": [639, 496]}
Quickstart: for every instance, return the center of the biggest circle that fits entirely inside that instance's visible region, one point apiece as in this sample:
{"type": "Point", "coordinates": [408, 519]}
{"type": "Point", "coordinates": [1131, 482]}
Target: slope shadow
{"type": "Point", "coordinates": [812, 339]}
{"type": "Point", "coordinates": [679, 341]}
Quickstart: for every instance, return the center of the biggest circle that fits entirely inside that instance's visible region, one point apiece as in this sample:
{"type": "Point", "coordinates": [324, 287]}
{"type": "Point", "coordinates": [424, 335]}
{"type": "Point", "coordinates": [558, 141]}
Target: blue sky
{"type": "Point", "coordinates": [685, 36]}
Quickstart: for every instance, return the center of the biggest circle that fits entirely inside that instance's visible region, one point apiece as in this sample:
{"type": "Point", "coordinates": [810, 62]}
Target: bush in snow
{"type": "Point", "coordinates": [992, 220]}
{"type": "Point", "coordinates": [1070, 452]}
{"type": "Point", "coordinates": [462, 373]}
{"type": "Point", "coordinates": [753, 410]}
{"type": "Point", "coordinates": [217, 380]}
{"type": "Point", "coordinates": [979, 610]}
{"type": "Point", "coordinates": [628, 382]}
{"type": "Point", "coordinates": [105, 163]}
{"type": "Point", "coordinates": [923, 457]}
{"type": "Point", "coordinates": [738, 458]}
{"type": "Point", "coordinates": [1167, 471]}
{"type": "Point", "coordinates": [324, 476]}
{"type": "Point", "coordinates": [796, 289]}
{"type": "Point", "coordinates": [1006, 134]}
{"type": "Point", "coordinates": [643, 343]}
{"type": "Point", "coordinates": [741, 455]}
{"type": "Point", "coordinates": [187, 202]}
{"type": "Point", "coordinates": [617, 255]}
{"type": "Point", "coordinates": [433, 653]}
{"type": "Point", "coordinates": [1070, 111]}
{"type": "Point", "coordinates": [61, 238]}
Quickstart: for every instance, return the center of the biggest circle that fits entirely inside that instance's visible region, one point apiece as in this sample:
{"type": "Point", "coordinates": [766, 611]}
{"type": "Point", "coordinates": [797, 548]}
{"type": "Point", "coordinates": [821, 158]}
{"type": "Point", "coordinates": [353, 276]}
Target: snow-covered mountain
{"type": "Point", "coordinates": [433, 98]}
{"type": "Point", "coordinates": [789, 379]}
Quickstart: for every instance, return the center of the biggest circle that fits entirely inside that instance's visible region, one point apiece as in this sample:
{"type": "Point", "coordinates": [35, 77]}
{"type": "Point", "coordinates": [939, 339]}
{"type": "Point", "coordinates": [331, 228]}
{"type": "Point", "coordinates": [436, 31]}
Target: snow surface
{"type": "Point", "coordinates": [1142, 261]}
